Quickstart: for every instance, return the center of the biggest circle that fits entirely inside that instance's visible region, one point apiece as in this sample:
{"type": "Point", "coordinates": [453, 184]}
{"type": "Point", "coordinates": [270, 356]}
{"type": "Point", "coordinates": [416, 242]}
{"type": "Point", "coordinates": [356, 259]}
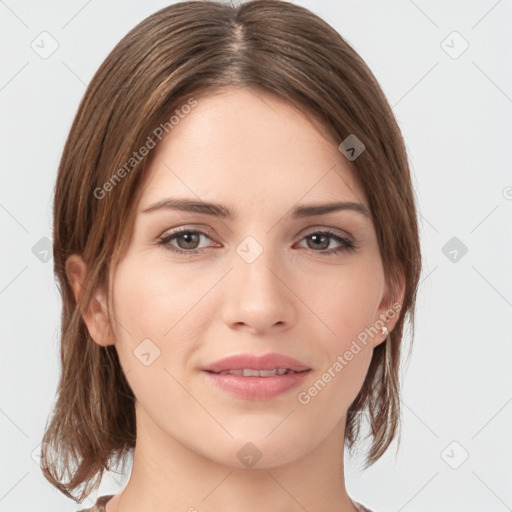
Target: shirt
{"type": "Point", "coordinates": [99, 506]}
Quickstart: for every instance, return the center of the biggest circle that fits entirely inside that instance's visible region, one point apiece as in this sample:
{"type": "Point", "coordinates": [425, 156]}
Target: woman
{"type": "Point", "coordinates": [236, 244]}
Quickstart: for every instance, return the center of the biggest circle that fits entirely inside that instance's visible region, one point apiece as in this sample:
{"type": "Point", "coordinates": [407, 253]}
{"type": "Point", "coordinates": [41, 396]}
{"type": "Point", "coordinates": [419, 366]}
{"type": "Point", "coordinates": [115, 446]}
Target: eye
{"type": "Point", "coordinates": [187, 240]}
{"type": "Point", "coordinates": [322, 240]}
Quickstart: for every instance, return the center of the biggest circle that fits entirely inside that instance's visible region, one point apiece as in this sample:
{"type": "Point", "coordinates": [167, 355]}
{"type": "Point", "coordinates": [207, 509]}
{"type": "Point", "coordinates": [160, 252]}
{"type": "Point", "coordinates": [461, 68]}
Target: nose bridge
{"type": "Point", "coordinates": [257, 297]}
{"type": "Point", "coordinates": [254, 265]}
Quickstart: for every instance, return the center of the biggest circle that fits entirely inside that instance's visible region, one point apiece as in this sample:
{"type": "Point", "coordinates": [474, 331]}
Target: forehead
{"type": "Point", "coordinates": [248, 147]}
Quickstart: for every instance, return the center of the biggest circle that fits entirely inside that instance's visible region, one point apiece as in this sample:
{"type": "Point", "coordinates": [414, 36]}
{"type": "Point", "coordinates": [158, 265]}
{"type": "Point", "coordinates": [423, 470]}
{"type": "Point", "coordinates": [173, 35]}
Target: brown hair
{"type": "Point", "coordinates": [182, 50]}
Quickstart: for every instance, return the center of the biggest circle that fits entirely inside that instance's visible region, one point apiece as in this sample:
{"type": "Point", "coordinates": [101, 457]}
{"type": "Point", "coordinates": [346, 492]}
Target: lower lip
{"type": "Point", "coordinates": [257, 388]}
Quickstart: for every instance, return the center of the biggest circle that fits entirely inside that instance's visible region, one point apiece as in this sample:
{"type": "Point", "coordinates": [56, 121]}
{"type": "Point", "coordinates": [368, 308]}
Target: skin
{"type": "Point", "coordinates": [260, 157]}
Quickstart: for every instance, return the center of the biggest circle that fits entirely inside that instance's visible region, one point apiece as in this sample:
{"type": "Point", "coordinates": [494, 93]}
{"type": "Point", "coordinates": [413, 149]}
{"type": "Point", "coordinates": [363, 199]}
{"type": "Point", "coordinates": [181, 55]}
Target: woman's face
{"type": "Point", "coordinates": [261, 280]}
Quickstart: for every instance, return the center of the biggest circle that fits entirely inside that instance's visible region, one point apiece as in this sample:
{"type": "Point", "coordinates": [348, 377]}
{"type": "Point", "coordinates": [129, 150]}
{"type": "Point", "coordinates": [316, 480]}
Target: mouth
{"type": "Point", "coordinates": [254, 377]}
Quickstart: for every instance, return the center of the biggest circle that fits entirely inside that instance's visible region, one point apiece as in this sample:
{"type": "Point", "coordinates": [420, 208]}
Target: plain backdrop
{"type": "Point", "coordinates": [446, 70]}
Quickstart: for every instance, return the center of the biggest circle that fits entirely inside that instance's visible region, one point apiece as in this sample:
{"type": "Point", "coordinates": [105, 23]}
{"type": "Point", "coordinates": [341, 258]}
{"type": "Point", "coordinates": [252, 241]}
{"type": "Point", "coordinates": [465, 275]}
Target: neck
{"type": "Point", "coordinates": [167, 476]}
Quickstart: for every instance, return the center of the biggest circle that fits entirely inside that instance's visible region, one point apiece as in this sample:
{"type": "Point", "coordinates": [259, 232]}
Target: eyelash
{"type": "Point", "coordinates": [346, 244]}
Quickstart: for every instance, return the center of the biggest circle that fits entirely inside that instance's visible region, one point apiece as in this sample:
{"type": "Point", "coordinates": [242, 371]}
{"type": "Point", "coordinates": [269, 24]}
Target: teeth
{"type": "Point", "coordinates": [267, 373]}
{"type": "Point", "coordinates": [249, 372]}
{"type": "Point", "coordinates": [232, 372]}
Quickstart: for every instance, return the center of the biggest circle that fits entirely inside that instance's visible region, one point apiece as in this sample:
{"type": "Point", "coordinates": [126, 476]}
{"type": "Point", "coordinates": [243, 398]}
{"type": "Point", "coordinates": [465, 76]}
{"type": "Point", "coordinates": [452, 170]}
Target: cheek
{"type": "Point", "coordinates": [151, 302]}
{"type": "Point", "coordinates": [349, 310]}
{"type": "Point", "coordinates": [139, 296]}
{"type": "Point", "coordinates": [154, 311]}
{"type": "Point", "coordinates": [348, 302]}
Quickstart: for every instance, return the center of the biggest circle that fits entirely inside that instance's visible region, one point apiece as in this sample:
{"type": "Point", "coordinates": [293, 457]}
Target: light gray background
{"type": "Point", "coordinates": [455, 114]}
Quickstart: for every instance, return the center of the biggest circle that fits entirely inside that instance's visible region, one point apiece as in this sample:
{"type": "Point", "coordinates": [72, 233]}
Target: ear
{"type": "Point", "coordinates": [390, 307]}
{"type": "Point", "coordinates": [95, 315]}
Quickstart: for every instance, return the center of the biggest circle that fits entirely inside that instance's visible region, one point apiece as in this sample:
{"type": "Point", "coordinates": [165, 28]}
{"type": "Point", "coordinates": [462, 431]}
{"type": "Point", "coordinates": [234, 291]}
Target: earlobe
{"type": "Point", "coordinates": [390, 308]}
{"type": "Point", "coordinates": [94, 311]}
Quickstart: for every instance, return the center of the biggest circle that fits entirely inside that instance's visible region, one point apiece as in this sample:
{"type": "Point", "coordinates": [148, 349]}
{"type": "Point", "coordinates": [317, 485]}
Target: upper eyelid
{"type": "Point", "coordinates": [185, 229]}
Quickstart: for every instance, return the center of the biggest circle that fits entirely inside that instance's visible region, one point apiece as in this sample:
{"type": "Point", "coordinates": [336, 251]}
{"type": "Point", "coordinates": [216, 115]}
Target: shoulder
{"type": "Point", "coordinates": [360, 507]}
{"type": "Point", "coordinates": [99, 506]}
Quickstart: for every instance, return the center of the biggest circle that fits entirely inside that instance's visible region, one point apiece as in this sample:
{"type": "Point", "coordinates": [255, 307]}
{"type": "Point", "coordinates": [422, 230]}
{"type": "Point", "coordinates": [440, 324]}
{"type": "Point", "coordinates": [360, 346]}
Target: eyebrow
{"type": "Point", "coordinates": [219, 210]}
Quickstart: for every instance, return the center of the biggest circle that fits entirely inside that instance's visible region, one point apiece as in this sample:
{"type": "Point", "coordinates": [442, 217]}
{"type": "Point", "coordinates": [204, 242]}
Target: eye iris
{"type": "Point", "coordinates": [317, 237]}
{"type": "Point", "coordinates": [188, 243]}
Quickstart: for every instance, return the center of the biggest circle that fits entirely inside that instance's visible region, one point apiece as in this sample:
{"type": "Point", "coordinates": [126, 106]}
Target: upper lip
{"type": "Point", "coordinates": [265, 362]}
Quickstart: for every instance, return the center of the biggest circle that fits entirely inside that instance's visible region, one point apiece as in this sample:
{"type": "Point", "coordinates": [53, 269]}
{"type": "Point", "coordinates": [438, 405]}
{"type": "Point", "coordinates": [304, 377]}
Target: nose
{"type": "Point", "coordinates": [257, 297]}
